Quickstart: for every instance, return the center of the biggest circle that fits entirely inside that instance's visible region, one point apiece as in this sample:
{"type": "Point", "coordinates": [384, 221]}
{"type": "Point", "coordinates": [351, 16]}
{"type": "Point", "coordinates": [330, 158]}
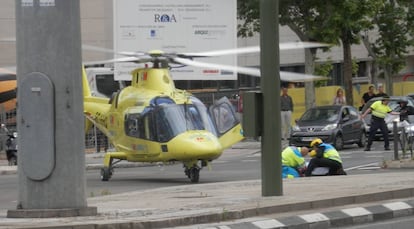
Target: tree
{"type": "Point", "coordinates": [335, 21]}
{"type": "Point", "coordinates": [343, 22]}
{"type": "Point", "coordinates": [300, 16]}
{"type": "Point", "coordinates": [394, 23]}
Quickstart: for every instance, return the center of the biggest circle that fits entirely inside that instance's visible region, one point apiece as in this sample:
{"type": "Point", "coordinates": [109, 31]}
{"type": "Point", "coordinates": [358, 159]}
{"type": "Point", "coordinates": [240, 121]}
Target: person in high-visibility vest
{"type": "Point", "coordinates": [379, 110]}
{"type": "Point", "coordinates": [293, 161]}
{"type": "Point", "coordinates": [324, 155]}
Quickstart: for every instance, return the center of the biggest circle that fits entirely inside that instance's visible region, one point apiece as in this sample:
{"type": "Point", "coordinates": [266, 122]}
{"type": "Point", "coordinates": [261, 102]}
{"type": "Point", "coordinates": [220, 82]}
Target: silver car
{"type": "Point", "coordinates": [336, 124]}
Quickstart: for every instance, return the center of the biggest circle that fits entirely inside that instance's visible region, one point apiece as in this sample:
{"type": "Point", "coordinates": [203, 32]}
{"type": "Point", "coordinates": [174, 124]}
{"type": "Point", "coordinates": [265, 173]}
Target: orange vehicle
{"type": "Point", "coordinates": [8, 90]}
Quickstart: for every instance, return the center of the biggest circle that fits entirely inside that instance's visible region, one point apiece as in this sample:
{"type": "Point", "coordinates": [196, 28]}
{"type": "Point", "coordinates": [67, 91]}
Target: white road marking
{"type": "Point", "coordinates": [356, 211]}
{"type": "Point", "coordinates": [313, 218]}
{"type": "Point", "coordinates": [397, 206]}
{"type": "Point", "coordinates": [249, 160]}
{"type": "Point", "coordinates": [361, 166]}
{"type": "Point", "coordinates": [267, 224]}
{"type": "Point", "coordinates": [224, 227]}
{"type": "Point", "coordinates": [370, 168]}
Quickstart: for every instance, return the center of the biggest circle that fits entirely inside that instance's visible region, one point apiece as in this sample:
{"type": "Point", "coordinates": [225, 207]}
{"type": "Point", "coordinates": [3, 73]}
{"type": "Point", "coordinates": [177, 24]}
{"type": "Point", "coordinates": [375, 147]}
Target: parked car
{"type": "Point", "coordinates": [335, 124]}
{"type": "Point", "coordinates": [394, 105]}
{"type": "Point", "coordinates": [411, 95]}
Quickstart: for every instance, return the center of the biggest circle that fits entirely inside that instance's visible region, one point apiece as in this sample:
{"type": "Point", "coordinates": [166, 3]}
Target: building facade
{"type": "Point", "coordinates": [97, 30]}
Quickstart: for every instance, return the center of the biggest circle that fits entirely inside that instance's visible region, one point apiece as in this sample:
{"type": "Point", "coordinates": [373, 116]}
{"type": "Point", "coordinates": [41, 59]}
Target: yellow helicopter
{"type": "Point", "coordinates": [153, 121]}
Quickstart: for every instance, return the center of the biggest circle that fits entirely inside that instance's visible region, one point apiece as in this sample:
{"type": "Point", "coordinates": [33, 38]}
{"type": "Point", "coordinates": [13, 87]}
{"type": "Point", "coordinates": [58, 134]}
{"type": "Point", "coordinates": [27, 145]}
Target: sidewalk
{"type": "Point", "coordinates": [209, 203]}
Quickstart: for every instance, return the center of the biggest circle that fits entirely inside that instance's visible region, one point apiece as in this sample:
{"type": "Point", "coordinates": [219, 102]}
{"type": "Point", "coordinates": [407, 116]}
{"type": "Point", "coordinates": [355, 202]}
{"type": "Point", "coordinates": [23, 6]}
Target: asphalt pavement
{"type": "Point", "coordinates": [383, 196]}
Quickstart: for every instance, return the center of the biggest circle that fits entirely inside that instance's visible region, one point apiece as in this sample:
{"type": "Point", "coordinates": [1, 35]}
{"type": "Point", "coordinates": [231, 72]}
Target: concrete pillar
{"type": "Point", "coordinates": [50, 110]}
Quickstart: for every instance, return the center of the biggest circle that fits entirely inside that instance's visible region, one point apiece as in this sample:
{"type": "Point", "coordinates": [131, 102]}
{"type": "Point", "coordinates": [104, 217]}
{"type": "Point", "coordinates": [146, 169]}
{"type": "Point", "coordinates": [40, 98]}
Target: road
{"type": "Point", "coordinates": [233, 165]}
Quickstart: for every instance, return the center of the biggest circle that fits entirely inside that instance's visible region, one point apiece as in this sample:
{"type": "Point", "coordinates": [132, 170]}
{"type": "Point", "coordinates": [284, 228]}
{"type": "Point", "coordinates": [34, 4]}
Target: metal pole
{"type": "Point", "coordinates": [95, 139]}
{"type": "Point", "coordinates": [270, 84]}
{"type": "Point", "coordinates": [395, 131]}
{"type": "Point", "coordinates": [403, 142]}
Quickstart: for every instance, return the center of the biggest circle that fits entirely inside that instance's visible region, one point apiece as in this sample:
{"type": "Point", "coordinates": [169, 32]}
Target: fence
{"type": "Point", "coordinates": [95, 141]}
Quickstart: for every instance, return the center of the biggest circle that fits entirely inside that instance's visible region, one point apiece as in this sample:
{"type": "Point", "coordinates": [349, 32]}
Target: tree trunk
{"type": "Point", "coordinates": [388, 81]}
{"type": "Point", "coordinates": [348, 71]}
{"type": "Point", "coordinates": [309, 86]}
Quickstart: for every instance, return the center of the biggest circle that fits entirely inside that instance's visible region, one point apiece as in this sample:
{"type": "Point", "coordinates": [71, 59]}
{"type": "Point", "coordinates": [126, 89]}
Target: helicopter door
{"type": "Point", "coordinates": [227, 124]}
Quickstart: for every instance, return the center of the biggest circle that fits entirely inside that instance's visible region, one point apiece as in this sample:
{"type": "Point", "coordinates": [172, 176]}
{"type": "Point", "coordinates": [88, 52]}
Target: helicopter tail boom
{"type": "Point", "coordinates": [85, 84]}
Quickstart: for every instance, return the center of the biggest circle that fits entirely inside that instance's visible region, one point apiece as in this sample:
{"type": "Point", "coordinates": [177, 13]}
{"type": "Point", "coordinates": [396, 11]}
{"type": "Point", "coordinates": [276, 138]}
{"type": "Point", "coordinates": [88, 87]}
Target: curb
{"type": "Point", "coordinates": [345, 217]}
{"type": "Point", "coordinates": [338, 218]}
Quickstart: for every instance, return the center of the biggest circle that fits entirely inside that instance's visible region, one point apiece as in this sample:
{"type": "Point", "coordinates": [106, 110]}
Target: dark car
{"type": "Point", "coordinates": [394, 103]}
{"type": "Point", "coordinates": [411, 95]}
{"type": "Point", "coordinates": [335, 124]}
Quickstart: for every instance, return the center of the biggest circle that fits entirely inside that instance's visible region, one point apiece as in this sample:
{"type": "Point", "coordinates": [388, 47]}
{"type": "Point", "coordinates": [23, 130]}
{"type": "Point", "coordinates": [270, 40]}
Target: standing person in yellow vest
{"type": "Point", "coordinates": [379, 110]}
{"type": "Point", "coordinates": [324, 155]}
{"type": "Point", "coordinates": [293, 161]}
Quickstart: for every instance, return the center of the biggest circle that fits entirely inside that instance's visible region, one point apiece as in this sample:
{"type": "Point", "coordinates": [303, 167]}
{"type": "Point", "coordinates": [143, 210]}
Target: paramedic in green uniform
{"type": "Point", "coordinates": [293, 161]}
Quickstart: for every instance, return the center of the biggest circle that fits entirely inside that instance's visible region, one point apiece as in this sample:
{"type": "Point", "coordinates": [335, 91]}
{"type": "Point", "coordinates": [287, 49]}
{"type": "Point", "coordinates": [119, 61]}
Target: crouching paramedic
{"type": "Point", "coordinates": [324, 155]}
{"type": "Point", "coordinates": [293, 161]}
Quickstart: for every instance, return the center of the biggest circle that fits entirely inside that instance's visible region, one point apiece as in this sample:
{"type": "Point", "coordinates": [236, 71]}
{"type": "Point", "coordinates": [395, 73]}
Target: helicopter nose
{"type": "Point", "coordinates": [199, 144]}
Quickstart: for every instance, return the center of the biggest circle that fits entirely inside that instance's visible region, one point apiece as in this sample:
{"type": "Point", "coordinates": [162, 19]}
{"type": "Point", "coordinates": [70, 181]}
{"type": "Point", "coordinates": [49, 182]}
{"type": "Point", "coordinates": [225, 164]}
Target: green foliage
{"type": "Point", "coordinates": [105, 192]}
{"type": "Point", "coordinates": [248, 12]}
{"type": "Point", "coordinates": [342, 22]}
{"type": "Point", "coordinates": [323, 69]}
{"type": "Point", "coordinates": [395, 28]}
{"type": "Point", "coordinates": [355, 66]}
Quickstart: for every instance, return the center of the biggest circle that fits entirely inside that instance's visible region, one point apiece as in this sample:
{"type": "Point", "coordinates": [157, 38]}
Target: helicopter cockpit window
{"type": "Point", "coordinates": [164, 122]}
{"type": "Point", "coordinates": [161, 100]}
{"type": "Point", "coordinates": [172, 120]}
{"type": "Point", "coordinates": [205, 117]}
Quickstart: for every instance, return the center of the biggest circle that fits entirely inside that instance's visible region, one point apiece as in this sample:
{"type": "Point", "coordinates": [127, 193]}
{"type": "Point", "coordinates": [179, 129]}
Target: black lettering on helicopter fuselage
{"type": "Point", "coordinates": [100, 118]}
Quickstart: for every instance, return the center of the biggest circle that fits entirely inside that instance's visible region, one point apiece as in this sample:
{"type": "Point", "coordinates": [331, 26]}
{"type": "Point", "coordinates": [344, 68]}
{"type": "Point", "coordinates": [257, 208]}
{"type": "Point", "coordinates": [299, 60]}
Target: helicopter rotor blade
{"type": "Point", "coordinates": [254, 49]}
{"type": "Point", "coordinates": [300, 77]}
{"type": "Point", "coordinates": [96, 48]}
{"type": "Point", "coordinates": [106, 50]}
{"type": "Point", "coordinates": [248, 71]}
{"type": "Point", "coordinates": [285, 76]}
{"type": "Point", "coordinates": [8, 70]}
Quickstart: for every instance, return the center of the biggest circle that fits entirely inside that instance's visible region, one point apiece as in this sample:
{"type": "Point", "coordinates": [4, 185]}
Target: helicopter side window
{"type": "Point", "coordinates": [131, 125]}
{"type": "Point", "coordinates": [141, 126]}
{"type": "Point", "coordinates": [225, 118]}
